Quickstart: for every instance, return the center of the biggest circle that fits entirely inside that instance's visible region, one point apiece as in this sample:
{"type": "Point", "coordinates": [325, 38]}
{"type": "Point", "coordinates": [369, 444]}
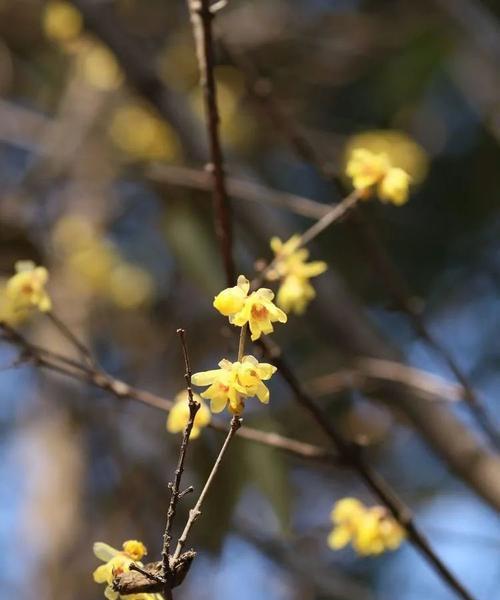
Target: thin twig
{"type": "Point", "coordinates": [241, 343]}
{"type": "Point", "coordinates": [195, 512]}
{"type": "Point", "coordinates": [201, 19]}
{"type": "Point", "coordinates": [72, 338]}
{"type": "Point", "coordinates": [335, 213]}
{"type": "Point", "coordinates": [194, 406]}
{"type": "Point", "coordinates": [237, 188]}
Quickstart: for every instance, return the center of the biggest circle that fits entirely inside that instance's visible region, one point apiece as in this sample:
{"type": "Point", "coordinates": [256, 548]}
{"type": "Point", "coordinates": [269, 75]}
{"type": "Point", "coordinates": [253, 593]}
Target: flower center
{"type": "Point", "coordinates": [259, 311]}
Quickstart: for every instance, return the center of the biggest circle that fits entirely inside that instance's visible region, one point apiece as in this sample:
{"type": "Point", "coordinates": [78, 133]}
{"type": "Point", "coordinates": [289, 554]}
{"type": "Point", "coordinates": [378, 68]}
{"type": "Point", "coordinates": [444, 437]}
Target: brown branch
{"type": "Point", "coordinates": [201, 19]}
{"type": "Point", "coordinates": [195, 512]}
{"type": "Point", "coordinates": [262, 90]}
{"type": "Point", "coordinates": [196, 179]}
{"type": "Point", "coordinates": [72, 338]}
{"type": "Point", "coordinates": [148, 580]}
{"type": "Point", "coordinates": [369, 371]}
{"type": "Point", "coordinates": [352, 455]}
{"type": "Point", "coordinates": [194, 406]}
{"type": "Point", "coordinates": [68, 367]}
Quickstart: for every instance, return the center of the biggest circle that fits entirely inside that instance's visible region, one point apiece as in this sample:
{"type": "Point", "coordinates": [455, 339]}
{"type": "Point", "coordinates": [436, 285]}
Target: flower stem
{"type": "Point", "coordinates": [241, 345]}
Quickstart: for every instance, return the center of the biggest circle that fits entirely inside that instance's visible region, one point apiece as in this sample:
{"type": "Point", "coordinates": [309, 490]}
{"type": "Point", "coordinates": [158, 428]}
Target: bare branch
{"type": "Point", "coordinates": [194, 406]}
{"type": "Point", "coordinates": [195, 512]}
{"type": "Point", "coordinates": [201, 19]}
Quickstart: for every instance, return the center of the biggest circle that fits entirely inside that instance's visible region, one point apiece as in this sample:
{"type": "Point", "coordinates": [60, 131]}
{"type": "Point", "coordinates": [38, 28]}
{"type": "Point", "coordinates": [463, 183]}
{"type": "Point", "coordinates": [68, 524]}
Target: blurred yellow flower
{"type": "Point", "coordinates": [26, 289]}
{"type": "Point", "coordinates": [401, 150]}
{"type": "Point", "coordinates": [8, 312]}
{"type": "Point", "coordinates": [394, 187]}
{"type": "Point", "coordinates": [368, 169]}
{"type": "Point", "coordinates": [130, 286]}
{"type": "Point", "coordinates": [116, 563]}
{"type": "Point", "coordinates": [370, 530]}
{"type": "Point", "coordinates": [61, 22]}
{"type": "Point", "coordinates": [178, 416]}
{"type": "Point", "coordinates": [141, 134]}
{"type": "Point", "coordinates": [96, 264]}
{"type": "Point", "coordinates": [98, 66]}
{"type": "Point", "coordinates": [234, 382]}
{"type": "Point", "coordinates": [256, 309]}
{"type": "Point", "coordinates": [289, 265]}
{"type": "Point", "coordinates": [294, 294]}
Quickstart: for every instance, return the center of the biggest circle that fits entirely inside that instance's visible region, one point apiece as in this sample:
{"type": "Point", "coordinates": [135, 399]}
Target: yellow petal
{"type": "Point", "coordinates": [205, 377]}
{"type": "Point", "coordinates": [339, 537]}
{"type": "Point", "coordinates": [104, 552]}
{"type": "Point", "coordinates": [101, 574]}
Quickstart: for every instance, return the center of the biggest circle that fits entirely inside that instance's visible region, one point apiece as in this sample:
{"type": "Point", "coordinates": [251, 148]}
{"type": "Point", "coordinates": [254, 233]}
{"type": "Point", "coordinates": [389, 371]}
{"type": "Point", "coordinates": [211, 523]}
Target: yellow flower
{"type": "Point", "coordinates": [179, 415]}
{"type": "Point", "coordinates": [231, 300]}
{"type": "Point", "coordinates": [345, 515]}
{"type": "Point", "coordinates": [394, 187]}
{"type": "Point", "coordinates": [135, 549]}
{"type": "Point", "coordinates": [370, 530]}
{"type": "Point", "coordinates": [26, 289]}
{"type": "Point", "coordinates": [366, 168]}
{"type": "Point", "coordinates": [256, 309]}
{"type": "Point", "coordinates": [402, 151]}
{"type": "Point", "coordinates": [291, 267]}
{"type": "Point", "coordinates": [234, 382]}
{"type": "Point", "coordinates": [294, 294]}
{"type": "Point", "coordinates": [116, 563]}
{"type": "Point", "coordinates": [61, 21]}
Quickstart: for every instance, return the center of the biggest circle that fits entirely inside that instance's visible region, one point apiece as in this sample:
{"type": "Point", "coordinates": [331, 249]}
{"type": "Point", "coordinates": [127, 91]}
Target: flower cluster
{"type": "Point", "coordinates": [24, 293]}
{"type": "Point", "coordinates": [368, 169]}
{"type": "Point", "coordinates": [371, 530]}
{"type": "Point", "coordinates": [290, 267]}
{"type": "Point", "coordinates": [95, 265]}
{"type": "Point", "coordinates": [234, 382]}
{"type": "Point", "coordinates": [257, 308]}
{"type": "Point", "coordinates": [178, 416]}
{"type": "Point", "coordinates": [116, 563]}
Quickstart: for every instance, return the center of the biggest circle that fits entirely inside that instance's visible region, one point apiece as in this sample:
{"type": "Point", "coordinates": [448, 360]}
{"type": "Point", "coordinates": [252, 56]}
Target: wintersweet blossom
{"type": "Point", "coordinates": [26, 289]}
{"type": "Point", "coordinates": [116, 563]}
{"type": "Point", "coordinates": [368, 169]}
{"type": "Point", "coordinates": [394, 186]}
{"type": "Point", "coordinates": [234, 382]}
{"type": "Point", "coordinates": [256, 309]}
{"type": "Point", "coordinates": [290, 266]}
{"type": "Point", "coordinates": [294, 294]}
{"type": "Point", "coordinates": [178, 416]}
{"type": "Point", "coordinates": [371, 530]}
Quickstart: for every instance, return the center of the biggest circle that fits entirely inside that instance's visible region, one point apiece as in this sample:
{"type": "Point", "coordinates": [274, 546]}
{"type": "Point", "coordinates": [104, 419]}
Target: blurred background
{"type": "Point", "coordinates": [100, 116]}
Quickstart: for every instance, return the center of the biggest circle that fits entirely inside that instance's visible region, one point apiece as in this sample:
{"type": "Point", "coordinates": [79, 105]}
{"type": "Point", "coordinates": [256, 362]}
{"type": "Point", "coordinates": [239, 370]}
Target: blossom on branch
{"type": "Point", "coordinates": [256, 309]}
{"type": "Point", "coordinates": [234, 382]}
{"type": "Point", "coordinates": [370, 530]}
{"type": "Point", "coordinates": [367, 169]}
{"type": "Point", "coordinates": [178, 416]}
{"type": "Point", "coordinates": [25, 291]}
{"type": "Point", "coordinates": [290, 266]}
{"type": "Point", "coordinates": [116, 563]}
